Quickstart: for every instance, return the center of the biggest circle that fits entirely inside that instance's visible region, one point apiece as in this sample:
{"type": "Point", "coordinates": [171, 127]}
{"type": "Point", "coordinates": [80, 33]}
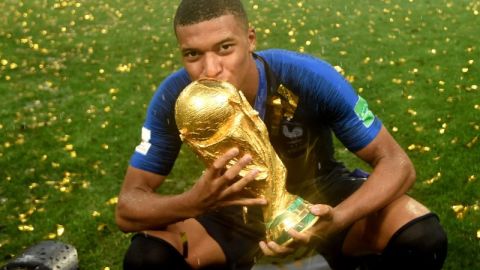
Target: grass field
{"type": "Point", "coordinates": [76, 77]}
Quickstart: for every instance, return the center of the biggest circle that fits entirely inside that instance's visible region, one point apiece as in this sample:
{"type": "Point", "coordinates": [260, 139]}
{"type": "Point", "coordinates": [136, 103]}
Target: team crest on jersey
{"type": "Point", "coordinates": [294, 133]}
{"type": "Point", "coordinates": [293, 136]}
{"type": "Point", "coordinates": [363, 112]}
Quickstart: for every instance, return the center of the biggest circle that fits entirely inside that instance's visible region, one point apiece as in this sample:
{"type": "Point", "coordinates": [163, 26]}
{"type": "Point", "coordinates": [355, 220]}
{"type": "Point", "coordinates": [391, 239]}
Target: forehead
{"type": "Point", "coordinates": [226, 26]}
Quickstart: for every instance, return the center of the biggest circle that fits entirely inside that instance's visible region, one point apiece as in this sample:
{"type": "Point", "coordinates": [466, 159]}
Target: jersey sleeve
{"type": "Point", "coordinates": [327, 95]}
{"type": "Point", "coordinates": [160, 141]}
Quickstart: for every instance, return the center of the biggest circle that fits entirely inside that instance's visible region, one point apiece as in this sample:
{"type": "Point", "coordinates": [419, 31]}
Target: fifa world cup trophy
{"type": "Point", "coordinates": [213, 116]}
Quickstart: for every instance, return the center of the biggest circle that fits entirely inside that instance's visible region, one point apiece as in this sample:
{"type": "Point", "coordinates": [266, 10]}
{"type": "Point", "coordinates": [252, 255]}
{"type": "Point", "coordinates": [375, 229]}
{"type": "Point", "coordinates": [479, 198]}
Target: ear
{"type": "Point", "coordinates": [252, 39]}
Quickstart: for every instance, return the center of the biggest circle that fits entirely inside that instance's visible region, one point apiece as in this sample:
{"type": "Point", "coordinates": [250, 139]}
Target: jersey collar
{"type": "Point", "coordinates": [261, 98]}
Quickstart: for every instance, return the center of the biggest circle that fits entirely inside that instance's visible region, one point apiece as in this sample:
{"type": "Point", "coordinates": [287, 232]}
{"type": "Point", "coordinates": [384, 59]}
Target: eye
{"type": "Point", "coordinates": [226, 48]}
{"type": "Point", "coordinates": [190, 55]}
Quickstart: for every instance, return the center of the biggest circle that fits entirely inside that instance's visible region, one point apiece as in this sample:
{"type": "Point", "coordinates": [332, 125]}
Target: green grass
{"type": "Point", "coordinates": [76, 77]}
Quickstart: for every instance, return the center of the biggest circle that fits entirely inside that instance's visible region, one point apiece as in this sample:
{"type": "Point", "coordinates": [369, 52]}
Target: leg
{"type": "Point", "coordinates": [376, 234]}
{"type": "Point", "coordinates": [219, 238]}
{"type": "Point", "coordinates": [165, 249]}
{"type": "Point", "coordinates": [147, 252]}
{"type": "Point", "coordinates": [420, 244]}
{"type": "Point", "coordinates": [404, 234]}
{"type": "Point", "coordinates": [371, 234]}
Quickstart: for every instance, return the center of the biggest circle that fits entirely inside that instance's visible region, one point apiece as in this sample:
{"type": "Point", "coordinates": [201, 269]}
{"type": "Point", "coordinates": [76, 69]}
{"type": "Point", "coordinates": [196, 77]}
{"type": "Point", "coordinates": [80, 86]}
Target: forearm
{"type": "Point", "coordinates": [385, 184]}
{"type": "Point", "coordinates": [139, 210]}
{"type": "Point", "coordinates": [393, 174]}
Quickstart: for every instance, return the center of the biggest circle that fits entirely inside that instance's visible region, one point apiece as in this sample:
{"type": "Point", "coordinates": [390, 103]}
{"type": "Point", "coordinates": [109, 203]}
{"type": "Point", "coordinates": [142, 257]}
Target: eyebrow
{"type": "Point", "coordinates": [225, 40]}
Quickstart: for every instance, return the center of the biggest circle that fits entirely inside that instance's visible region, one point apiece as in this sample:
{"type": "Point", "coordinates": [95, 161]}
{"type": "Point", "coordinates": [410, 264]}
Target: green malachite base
{"type": "Point", "coordinates": [297, 216]}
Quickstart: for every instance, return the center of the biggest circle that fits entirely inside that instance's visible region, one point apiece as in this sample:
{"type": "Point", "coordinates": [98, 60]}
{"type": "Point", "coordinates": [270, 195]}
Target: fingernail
{"type": "Point", "coordinates": [315, 209]}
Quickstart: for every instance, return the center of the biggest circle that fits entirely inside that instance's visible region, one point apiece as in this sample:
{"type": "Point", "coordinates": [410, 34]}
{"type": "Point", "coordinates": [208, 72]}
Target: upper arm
{"type": "Point", "coordinates": [138, 190]}
{"type": "Point", "coordinates": [160, 140]}
{"type": "Point", "coordinates": [142, 180]}
{"type": "Point", "coordinates": [328, 97]}
{"type": "Point", "coordinates": [384, 148]}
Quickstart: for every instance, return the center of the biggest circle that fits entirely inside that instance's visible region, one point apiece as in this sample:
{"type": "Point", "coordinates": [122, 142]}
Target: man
{"type": "Point", "coordinates": [362, 223]}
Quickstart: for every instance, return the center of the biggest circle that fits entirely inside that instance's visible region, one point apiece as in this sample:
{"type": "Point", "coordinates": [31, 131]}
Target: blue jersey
{"type": "Point", "coordinates": [326, 102]}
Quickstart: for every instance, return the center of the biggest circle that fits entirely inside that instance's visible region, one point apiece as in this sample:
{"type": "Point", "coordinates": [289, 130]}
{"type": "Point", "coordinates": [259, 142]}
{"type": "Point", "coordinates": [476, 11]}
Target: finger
{"type": "Point", "coordinates": [219, 164]}
{"type": "Point", "coordinates": [245, 202]}
{"type": "Point", "coordinates": [322, 210]}
{"type": "Point", "coordinates": [223, 160]}
{"type": "Point", "coordinates": [240, 184]}
{"type": "Point", "coordinates": [279, 250]}
{"type": "Point", "coordinates": [299, 237]}
{"type": "Point", "coordinates": [234, 170]}
{"type": "Point", "coordinates": [265, 249]}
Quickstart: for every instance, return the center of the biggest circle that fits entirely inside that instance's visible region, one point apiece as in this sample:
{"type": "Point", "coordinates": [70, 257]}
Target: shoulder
{"type": "Point", "coordinates": [161, 108]}
{"type": "Point", "coordinates": [172, 85]}
{"type": "Point", "coordinates": [293, 67]}
{"type": "Point", "coordinates": [277, 57]}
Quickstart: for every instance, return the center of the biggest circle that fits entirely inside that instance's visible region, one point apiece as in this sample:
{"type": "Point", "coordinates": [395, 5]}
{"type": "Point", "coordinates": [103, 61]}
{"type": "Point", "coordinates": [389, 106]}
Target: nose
{"type": "Point", "coordinates": [212, 66]}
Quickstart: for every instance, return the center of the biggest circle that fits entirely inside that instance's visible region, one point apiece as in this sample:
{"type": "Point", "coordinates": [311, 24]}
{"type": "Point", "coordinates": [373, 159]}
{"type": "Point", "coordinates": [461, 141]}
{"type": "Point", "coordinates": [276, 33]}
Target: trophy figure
{"type": "Point", "coordinates": [213, 116]}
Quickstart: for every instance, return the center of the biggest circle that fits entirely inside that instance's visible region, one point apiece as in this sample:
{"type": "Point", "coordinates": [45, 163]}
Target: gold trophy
{"type": "Point", "coordinates": [213, 116]}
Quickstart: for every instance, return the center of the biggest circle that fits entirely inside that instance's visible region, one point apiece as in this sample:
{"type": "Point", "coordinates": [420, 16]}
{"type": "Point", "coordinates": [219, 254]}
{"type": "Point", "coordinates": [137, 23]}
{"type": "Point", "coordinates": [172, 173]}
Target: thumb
{"type": "Point", "coordinates": [321, 210]}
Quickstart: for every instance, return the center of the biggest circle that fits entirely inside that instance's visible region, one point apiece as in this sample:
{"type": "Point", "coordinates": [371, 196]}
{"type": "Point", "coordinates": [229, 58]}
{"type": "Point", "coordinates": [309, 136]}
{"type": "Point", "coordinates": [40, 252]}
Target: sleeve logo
{"type": "Point", "coordinates": [144, 146]}
{"type": "Point", "coordinates": [363, 112]}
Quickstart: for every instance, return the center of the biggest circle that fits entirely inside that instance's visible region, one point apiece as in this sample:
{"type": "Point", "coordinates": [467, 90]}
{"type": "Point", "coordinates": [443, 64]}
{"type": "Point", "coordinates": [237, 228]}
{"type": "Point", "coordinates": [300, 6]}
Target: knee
{"type": "Point", "coordinates": [147, 252]}
{"type": "Point", "coordinates": [420, 244]}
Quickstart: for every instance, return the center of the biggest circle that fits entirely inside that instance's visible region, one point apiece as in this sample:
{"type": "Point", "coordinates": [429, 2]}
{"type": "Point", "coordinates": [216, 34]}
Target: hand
{"type": "Point", "coordinates": [219, 186]}
{"type": "Point", "coordinates": [318, 233]}
{"type": "Point", "coordinates": [325, 226]}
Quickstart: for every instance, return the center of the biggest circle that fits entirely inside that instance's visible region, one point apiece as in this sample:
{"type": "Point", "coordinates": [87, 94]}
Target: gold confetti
{"type": "Point", "coordinates": [472, 142]}
{"type": "Point", "coordinates": [457, 208]}
{"type": "Point", "coordinates": [112, 201]}
{"type": "Point", "coordinates": [433, 179]}
{"type": "Point", "coordinates": [69, 147]}
{"type": "Point", "coordinates": [124, 68]}
{"type": "Point", "coordinates": [4, 242]}
{"type": "Point", "coordinates": [85, 184]}
{"type": "Point", "coordinates": [113, 91]}
{"type": "Point", "coordinates": [339, 69]}
{"type": "Point", "coordinates": [26, 228]}
{"type": "Point", "coordinates": [101, 227]}
{"type": "Point", "coordinates": [33, 185]}
{"type": "Point", "coordinates": [60, 230]}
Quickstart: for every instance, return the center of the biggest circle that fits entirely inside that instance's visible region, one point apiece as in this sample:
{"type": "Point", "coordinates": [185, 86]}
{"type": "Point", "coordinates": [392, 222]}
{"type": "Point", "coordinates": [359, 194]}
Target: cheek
{"type": "Point", "coordinates": [238, 65]}
{"type": "Point", "coordinates": [193, 70]}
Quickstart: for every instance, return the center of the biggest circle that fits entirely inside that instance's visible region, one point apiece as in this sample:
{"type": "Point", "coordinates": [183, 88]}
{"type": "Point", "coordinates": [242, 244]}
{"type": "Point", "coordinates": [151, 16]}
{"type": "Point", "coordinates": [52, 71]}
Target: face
{"type": "Point", "coordinates": [221, 49]}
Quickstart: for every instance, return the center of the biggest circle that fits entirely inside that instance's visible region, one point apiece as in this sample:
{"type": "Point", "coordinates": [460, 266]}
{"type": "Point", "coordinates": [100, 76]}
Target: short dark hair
{"type": "Point", "coordinates": [194, 11]}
